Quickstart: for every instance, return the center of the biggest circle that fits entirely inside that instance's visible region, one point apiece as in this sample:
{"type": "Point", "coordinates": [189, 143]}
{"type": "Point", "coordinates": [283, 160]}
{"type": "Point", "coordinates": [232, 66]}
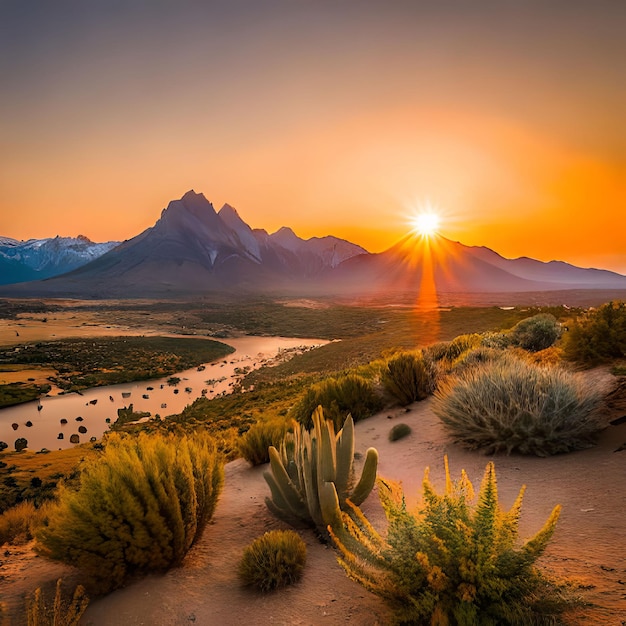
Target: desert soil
{"type": "Point", "coordinates": [588, 546]}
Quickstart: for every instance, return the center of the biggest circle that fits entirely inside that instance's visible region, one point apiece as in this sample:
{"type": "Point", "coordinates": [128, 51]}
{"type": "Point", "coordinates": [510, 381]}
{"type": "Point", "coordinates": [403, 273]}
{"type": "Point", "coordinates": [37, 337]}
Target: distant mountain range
{"type": "Point", "coordinates": [41, 258]}
{"type": "Point", "coordinates": [194, 250]}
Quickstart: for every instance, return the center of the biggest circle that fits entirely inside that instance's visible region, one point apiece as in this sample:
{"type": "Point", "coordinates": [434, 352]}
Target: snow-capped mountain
{"type": "Point", "coordinates": [194, 250]}
{"type": "Point", "coordinates": [41, 258]}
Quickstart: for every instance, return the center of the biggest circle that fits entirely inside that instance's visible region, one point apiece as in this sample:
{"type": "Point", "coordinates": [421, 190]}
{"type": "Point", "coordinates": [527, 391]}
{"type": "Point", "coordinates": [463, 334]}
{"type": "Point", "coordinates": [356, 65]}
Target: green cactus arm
{"type": "Point", "coordinates": [329, 503]}
{"type": "Point", "coordinates": [284, 484]}
{"type": "Point", "coordinates": [345, 458]}
{"type": "Point", "coordinates": [368, 478]}
{"type": "Point", "coordinates": [310, 486]}
{"type": "Point", "coordinates": [326, 451]}
{"type": "Point", "coordinates": [284, 514]}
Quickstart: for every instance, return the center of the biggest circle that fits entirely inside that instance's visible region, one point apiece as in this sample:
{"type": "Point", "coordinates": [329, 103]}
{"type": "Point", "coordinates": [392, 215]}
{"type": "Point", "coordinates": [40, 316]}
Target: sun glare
{"type": "Point", "coordinates": [426, 223]}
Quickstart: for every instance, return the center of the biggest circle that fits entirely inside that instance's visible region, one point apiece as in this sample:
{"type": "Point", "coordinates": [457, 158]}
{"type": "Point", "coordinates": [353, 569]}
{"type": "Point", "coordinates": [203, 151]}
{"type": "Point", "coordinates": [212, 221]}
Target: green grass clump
{"type": "Point", "coordinates": [274, 560]}
{"type": "Point", "coordinates": [19, 523]}
{"type": "Point", "coordinates": [510, 405]}
{"type": "Point", "coordinates": [140, 506]}
{"type": "Point", "coordinates": [452, 561]}
{"type": "Point", "coordinates": [536, 333]}
{"type": "Point", "coordinates": [338, 397]}
{"type": "Point", "coordinates": [598, 336]}
{"type": "Point", "coordinates": [254, 444]}
{"type": "Point", "coordinates": [59, 612]}
{"type": "Point", "coordinates": [408, 377]}
{"type": "Point", "coordinates": [399, 431]}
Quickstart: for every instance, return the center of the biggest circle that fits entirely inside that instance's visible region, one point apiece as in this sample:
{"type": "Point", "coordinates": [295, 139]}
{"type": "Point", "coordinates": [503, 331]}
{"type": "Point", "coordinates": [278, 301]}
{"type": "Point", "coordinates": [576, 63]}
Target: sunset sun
{"type": "Point", "coordinates": [426, 224]}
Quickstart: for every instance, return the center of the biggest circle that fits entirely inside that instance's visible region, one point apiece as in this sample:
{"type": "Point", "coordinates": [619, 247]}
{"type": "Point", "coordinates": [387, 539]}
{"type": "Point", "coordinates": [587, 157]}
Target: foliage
{"type": "Point", "coordinates": [536, 333]}
{"type": "Point", "coordinates": [451, 350]}
{"type": "Point", "coordinates": [399, 431]}
{"type": "Point", "coordinates": [451, 561]}
{"type": "Point", "coordinates": [408, 377]}
{"type": "Point", "coordinates": [254, 444]}
{"type": "Point", "coordinates": [61, 612]}
{"type": "Point", "coordinates": [94, 362]}
{"type": "Point", "coordinates": [19, 523]}
{"type": "Point", "coordinates": [274, 560]}
{"type": "Point", "coordinates": [476, 356]}
{"type": "Point", "coordinates": [598, 335]}
{"type": "Point", "coordinates": [312, 476]}
{"type": "Point", "coordinates": [16, 393]}
{"type": "Point", "coordinates": [139, 508]}
{"type": "Point", "coordinates": [512, 405]}
{"type": "Point", "coordinates": [349, 394]}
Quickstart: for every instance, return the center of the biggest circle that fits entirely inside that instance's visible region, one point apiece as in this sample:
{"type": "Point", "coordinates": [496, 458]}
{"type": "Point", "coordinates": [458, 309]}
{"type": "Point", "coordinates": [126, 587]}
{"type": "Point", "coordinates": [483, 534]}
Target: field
{"type": "Point", "coordinates": [364, 333]}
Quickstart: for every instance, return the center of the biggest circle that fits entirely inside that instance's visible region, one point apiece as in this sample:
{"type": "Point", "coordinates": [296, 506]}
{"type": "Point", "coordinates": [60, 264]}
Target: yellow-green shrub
{"type": "Point", "coordinates": [274, 560]}
{"type": "Point", "coordinates": [451, 561]}
{"type": "Point", "coordinates": [350, 394]}
{"type": "Point", "coordinates": [408, 377]}
{"type": "Point", "coordinates": [597, 336]}
{"type": "Point", "coordinates": [140, 506]}
{"type": "Point", "coordinates": [19, 523]}
{"type": "Point", "coordinates": [254, 444]}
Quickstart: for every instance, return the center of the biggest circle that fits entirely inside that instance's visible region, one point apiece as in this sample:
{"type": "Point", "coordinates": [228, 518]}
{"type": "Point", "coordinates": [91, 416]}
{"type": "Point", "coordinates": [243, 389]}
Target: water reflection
{"type": "Point", "coordinates": [60, 421]}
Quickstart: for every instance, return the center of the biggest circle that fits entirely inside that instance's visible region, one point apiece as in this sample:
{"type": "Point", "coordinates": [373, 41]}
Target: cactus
{"type": "Point", "coordinates": [312, 475]}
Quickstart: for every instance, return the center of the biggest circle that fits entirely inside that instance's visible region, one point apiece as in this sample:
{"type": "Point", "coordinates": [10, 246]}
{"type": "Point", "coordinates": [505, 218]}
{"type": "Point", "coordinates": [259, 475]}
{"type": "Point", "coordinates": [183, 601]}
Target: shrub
{"type": "Point", "coordinates": [351, 394]}
{"type": "Point", "coordinates": [274, 560]}
{"type": "Point", "coordinates": [58, 613]}
{"type": "Point", "coordinates": [140, 506]}
{"type": "Point", "coordinates": [254, 444]}
{"type": "Point", "coordinates": [477, 356]}
{"type": "Point", "coordinates": [452, 350]}
{"type": "Point", "coordinates": [408, 377]}
{"type": "Point", "coordinates": [312, 476]}
{"type": "Point", "coordinates": [512, 405]}
{"type": "Point", "coordinates": [19, 523]}
{"type": "Point", "coordinates": [496, 340]}
{"type": "Point", "coordinates": [598, 336]}
{"type": "Point", "coordinates": [536, 333]}
{"type": "Point", "coordinates": [399, 431]}
{"type": "Point", "coordinates": [451, 562]}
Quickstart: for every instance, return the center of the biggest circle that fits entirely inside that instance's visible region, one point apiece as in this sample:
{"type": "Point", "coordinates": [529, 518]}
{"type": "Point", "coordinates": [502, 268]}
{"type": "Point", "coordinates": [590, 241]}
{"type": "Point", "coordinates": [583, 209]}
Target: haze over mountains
{"type": "Point", "coordinates": [194, 250]}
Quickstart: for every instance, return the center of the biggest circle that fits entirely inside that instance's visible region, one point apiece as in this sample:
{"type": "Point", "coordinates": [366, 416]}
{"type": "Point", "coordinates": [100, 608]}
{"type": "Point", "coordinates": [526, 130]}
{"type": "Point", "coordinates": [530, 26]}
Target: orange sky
{"type": "Point", "coordinates": [339, 118]}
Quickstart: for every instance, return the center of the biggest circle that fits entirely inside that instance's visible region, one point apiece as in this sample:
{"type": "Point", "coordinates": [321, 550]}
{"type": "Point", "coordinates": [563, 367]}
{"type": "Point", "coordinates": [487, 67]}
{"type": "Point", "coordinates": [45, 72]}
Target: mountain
{"type": "Point", "coordinates": [193, 250]}
{"type": "Point", "coordinates": [447, 266]}
{"type": "Point", "coordinates": [41, 258]}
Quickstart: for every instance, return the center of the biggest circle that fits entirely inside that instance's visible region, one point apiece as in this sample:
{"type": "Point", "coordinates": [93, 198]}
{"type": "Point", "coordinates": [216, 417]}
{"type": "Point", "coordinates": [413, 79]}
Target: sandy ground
{"type": "Point", "coordinates": [588, 546]}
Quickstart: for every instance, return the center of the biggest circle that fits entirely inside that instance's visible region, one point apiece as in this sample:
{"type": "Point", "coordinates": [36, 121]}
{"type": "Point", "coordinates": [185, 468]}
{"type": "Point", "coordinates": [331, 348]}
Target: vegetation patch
{"type": "Point", "coordinates": [399, 431]}
{"type": "Point", "coordinates": [408, 377]}
{"type": "Point", "coordinates": [139, 507]}
{"type": "Point", "coordinates": [453, 561]}
{"type": "Point", "coordinates": [17, 393]}
{"type": "Point", "coordinates": [84, 363]}
{"type": "Point", "coordinates": [510, 405]}
{"type": "Point", "coordinates": [276, 559]}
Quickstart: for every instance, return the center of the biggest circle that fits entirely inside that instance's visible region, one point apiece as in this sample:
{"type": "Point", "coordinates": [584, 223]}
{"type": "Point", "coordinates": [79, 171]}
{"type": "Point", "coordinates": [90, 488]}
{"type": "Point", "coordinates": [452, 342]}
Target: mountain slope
{"type": "Point", "coordinates": [41, 258]}
{"type": "Point", "coordinates": [194, 250]}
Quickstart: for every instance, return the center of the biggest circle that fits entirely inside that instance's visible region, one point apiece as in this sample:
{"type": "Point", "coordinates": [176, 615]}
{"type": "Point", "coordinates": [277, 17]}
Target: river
{"type": "Point", "coordinates": [94, 409]}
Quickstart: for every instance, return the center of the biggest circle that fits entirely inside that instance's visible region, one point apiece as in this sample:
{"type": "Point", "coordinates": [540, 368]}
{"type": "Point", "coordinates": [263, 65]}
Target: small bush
{"type": "Point", "coordinates": [598, 336]}
{"type": "Point", "coordinates": [408, 377]}
{"type": "Point", "coordinates": [452, 350]}
{"type": "Point", "coordinates": [498, 341]}
{"type": "Point", "coordinates": [512, 405]}
{"type": "Point", "coordinates": [254, 444]}
{"type": "Point", "coordinates": [399, 431]}
{"type": "Point", "coordinates": [452, 561]}
{"type": "Point", "coordinates": [274, 560]}
{"type": "Point", "coordinates": [338, 397]}
{"type": "Point", "coordinates": [140, 506]}
{"type": "Point", "coordinates": [536, 333]}
{"type": "Point", "coordinates": [59, 612]}
{"type": "Point", "coordinates": [19, 523]}
{"type": "Point", "coordinates": [477, 356]}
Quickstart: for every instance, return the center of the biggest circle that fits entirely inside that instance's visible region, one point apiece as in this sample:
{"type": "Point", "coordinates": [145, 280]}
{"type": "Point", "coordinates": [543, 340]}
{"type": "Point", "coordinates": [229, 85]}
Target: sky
{"type": "Point", "coordinates": [331, 117]}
